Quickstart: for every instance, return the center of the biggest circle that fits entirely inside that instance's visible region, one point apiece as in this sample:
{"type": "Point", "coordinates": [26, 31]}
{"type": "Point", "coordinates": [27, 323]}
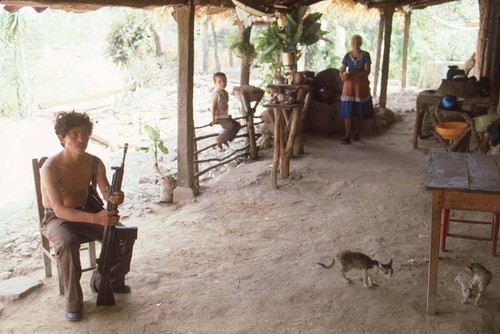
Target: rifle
{"type": "Point", "coordinates": [110, 241]}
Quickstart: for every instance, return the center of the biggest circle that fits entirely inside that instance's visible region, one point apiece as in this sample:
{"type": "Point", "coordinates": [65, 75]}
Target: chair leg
{"type": "Point", "coordinates": [445, 228]}
{"type": "Point", "coordinates": [495, 228]}
{"type": "Point", "coordinates": [92, 257]}
{"type": "Point", "coordinates": [47, 264]}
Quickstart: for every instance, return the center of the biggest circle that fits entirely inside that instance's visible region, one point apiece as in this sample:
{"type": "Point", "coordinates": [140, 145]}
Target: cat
{"type": "Point", "coordinates": [475, 275]}
{"type": "Point", "coordinates": [354, 260]}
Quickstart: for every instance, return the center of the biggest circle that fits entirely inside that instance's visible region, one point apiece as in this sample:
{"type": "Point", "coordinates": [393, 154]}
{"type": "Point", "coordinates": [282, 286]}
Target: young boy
{"type": "Point", "coordinates": [219, 108]}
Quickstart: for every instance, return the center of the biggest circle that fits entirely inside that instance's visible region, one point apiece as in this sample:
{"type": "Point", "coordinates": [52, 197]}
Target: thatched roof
{"type": "Point", "coordinates": [261, 5]}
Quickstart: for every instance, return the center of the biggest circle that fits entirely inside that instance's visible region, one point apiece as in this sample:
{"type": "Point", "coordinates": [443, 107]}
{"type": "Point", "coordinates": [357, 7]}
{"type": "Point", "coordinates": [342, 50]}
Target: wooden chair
{"type": "Point", "coordinates": [49, 257]}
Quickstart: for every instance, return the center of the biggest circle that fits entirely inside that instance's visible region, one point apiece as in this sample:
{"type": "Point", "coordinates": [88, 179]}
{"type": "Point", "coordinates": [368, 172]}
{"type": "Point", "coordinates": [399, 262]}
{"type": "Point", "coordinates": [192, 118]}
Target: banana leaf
{"type": "Point", "coordinates": [297, 38]}
{"type": "Point", "coordinates": [312, 18]}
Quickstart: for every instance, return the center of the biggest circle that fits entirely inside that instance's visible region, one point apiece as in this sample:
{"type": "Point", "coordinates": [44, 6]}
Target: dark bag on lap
{"type": "Point", "coordinates": [94, 201]}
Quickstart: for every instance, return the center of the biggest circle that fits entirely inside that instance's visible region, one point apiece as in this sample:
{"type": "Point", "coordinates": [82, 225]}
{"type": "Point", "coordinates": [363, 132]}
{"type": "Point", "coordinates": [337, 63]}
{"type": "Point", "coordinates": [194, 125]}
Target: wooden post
{"type": "Point", "coordinates": [494, 55]}
{"type": "Point", "coordinates": [379, 50]}
{"type": "Point", "coordinates": [185, 132]}
{"type": "Point", "coordinates": [250, 112]}
{"type": "Point", "coordinates": [299, 140]}
{"type": "Point", "coordinates": [389, 11]}
{"type": "Point", "coordinates": [276, 155]}
{"type": "Point", "coordinates": [437, 208]}
{"type": "Point", "coordinates": [405, 49]}
{"type": "Point", "coordinates": [245, 68]}
{"type": "Point", "coordinates": [282, 143]}
{"type": "Point", "coordinates": [482, 38]}
{"type": "Point", "coordinates": [288, 150]}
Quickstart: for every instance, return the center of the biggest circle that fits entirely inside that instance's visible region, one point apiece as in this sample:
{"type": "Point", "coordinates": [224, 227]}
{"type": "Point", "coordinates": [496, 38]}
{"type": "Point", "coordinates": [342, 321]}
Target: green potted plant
{"type": "Point", "coordinates": [168, 180]}
{"type": "Point", "coordinates": [298, 31]}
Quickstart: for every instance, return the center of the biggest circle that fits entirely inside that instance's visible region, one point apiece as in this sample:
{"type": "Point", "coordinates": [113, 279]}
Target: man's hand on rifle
{"type": "Point", "coordinates": [117, 197]}
{"type": "Point", "coordinates": [105, 217]}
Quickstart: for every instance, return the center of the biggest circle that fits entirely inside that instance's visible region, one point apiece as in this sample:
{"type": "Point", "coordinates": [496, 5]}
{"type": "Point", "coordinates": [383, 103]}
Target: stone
{"type": "Point", "coordinates": [21, 240]}
{"type": "Point", "coordinates": [17, 287]}
{"type": "Point", "coordinates": [151, 279]}
{"type": "Point", "coordinates": [144, 180]}
{"type": "Point", "coordinates": [8, 246]}
{"type": "Point", "coordinates": [5, 275]}
{"type": "Point", "coordinates": [1, 307]}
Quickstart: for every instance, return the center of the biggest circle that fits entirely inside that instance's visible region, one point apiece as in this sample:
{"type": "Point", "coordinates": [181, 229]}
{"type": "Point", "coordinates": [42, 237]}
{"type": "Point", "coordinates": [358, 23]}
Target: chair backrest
{"type": "Point", "coordinates": [37, 164]}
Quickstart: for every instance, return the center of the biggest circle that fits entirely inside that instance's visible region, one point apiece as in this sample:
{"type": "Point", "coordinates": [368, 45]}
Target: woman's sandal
{"type": "Point", "coordinates": [355, 137]}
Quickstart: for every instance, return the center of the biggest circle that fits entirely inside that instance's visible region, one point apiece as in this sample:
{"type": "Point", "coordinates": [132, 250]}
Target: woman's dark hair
{"type": "Point", "coordinates": [220, 74]}
{"type": "Point", "coordinates": [66, 121]}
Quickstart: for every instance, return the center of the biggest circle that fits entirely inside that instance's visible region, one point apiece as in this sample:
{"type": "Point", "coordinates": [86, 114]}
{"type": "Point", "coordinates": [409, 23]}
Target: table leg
{"type": "Point", "coordinates": [282, 144]}
{"type": "Point", "coordinates": [437, 202]}
{"type": "Point", "coordinates": [285, 164]}
{"type": "Point", "coordinates": [299, 146]}
{"type": "Point", "coordinates": [277, 145]}
{"type": "Point", "coordinates": [495, 226]}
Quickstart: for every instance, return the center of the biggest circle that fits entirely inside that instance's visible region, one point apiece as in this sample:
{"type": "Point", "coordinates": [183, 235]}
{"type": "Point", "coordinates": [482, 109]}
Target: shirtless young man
{"type": "Point", "coordinates": [68, 221]}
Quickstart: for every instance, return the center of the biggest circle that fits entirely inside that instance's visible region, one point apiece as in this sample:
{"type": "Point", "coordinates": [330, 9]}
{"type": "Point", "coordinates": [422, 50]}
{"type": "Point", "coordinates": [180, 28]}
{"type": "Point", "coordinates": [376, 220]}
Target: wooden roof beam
{"type": "Point", "coordinates": [413, 4]}
{"type": "Point", "coordinates": [89, 5]}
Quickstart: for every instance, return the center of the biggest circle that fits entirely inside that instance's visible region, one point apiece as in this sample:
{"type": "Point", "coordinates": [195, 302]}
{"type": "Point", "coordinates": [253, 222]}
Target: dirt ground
{"type": "Point", "coordinates": [241, 257]}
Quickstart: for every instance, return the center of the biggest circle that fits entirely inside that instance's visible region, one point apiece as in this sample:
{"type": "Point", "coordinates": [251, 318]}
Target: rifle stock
{"type": "Point", "coordinates": [111, 237]}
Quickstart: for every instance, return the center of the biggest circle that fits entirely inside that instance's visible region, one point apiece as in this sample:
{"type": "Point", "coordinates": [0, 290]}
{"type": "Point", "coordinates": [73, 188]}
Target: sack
{"type": "Point", "coordinates": [94, 201]}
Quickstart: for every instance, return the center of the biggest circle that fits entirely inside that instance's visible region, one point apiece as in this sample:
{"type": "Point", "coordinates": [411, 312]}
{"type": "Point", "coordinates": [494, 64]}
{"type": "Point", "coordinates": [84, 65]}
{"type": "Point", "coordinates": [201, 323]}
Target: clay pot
{"type": "Point", "coordinates": [167, 187]}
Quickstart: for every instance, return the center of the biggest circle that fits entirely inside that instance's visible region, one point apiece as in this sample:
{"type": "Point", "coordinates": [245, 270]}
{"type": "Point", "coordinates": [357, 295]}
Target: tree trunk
{"type": "Point", "coordinates": [379, 51]}
{"type": "Point", "coordinates": [245, 68]}
{"type": "Point", "coordinates": [389, 11]}
{"type": "Point", "coordinates": [159, 50]}
{"type": "Point", "coordinates": [204, 37]}
{"type": "Point", "coordinates": [405, 49]}
{"type": "Point", "coordinates": [230, 55]}
{"type": "Point", "coordinates": [216, 56]}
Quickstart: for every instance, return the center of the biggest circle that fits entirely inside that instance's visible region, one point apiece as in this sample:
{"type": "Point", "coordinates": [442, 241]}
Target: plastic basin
{"type": "Point", "coordinates": [451, 130]}
{"type": "Point", "coordinates": [482, 122]}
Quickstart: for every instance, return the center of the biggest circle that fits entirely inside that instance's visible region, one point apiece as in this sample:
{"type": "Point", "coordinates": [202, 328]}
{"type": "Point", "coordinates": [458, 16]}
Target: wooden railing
{"type": "Point", "coordinates": [234, 155]}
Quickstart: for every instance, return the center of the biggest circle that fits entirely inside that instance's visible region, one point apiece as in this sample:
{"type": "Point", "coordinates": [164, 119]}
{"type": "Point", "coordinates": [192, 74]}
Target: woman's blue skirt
{"type": "Point", "coordinates": [363, 110]}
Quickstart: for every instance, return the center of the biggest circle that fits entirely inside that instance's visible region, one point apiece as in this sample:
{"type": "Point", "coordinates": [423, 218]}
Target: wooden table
{"type": "Point", "coordinates": [287, 128]}
{"type": "Point", "coordinates": [460, 181]}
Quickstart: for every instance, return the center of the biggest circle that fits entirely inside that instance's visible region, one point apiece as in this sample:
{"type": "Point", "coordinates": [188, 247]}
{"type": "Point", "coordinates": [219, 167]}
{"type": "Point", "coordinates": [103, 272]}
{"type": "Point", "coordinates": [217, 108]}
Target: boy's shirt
{"type": "Point", "coordinates": [221, 98]}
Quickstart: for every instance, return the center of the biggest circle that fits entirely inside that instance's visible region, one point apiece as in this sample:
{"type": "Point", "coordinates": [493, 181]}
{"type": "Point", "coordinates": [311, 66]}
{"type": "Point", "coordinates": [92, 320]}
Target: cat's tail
{"type": "Point", "coordinates": [325, 266]}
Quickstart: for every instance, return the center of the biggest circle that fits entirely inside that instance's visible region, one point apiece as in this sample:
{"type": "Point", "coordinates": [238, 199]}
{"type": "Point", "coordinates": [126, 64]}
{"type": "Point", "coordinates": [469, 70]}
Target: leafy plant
{"type": "Point", "coordinates": [157, 145]}
{"type": "Point", "coordinates": [300, 31]}
{"type": "Point", "coordinates": [241, 48]}
{"type": "Point", "coordinates": [129, 38]}
{"type": "Point", "coordinates": [12, 28]}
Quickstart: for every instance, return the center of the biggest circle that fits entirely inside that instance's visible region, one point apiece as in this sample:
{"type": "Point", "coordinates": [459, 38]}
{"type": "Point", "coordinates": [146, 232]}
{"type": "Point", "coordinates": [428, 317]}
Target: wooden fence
{"type": "Point", "coordinates": [241, 152]}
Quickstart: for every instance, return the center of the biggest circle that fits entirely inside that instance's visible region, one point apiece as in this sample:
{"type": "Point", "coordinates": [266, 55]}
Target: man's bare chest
{"type": "Point", "coordinates": [74, 180]}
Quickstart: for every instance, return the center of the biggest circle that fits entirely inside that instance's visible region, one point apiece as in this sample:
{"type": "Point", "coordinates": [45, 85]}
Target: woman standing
{"type": "Point", "coordinates": [356, 97]}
